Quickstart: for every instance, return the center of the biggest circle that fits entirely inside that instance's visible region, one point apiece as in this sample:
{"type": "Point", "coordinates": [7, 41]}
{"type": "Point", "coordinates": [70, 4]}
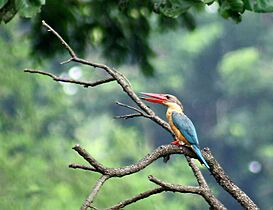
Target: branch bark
{"type": "Point", "coordinates": [136, 198]}
{"type": "Point", "coordinates": [94, 192]}
{"type": "Point", "coordinates": [227, 184]}
{"type": "Point", "coordinates": [143, 163]}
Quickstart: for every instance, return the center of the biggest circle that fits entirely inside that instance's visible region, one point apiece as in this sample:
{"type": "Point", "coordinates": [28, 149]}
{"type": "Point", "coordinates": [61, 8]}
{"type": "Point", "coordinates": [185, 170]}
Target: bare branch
{"type": "Point", "coordinates": [78, 166]}
{"type": "Point", "coordinates": [94, 192]}
{"type": "Point", "coordinates": [127, 116]}
{"type": "Point", "coordinates": [143, 163]}
{"type": "Point", "coordinates": [82, 152]}
{"type": "Point", "coordinates": [129, 107]}
{"type": "Point", "coordinates": [136, 198]}
{"type": "Point", "coordinates": [59, 79]}
{"type": "Point", "coordinates": [67, 61]}
{"type": "Point", "coordinates": [176, 187]}
{"type": "Point", "coordinates": [204, 192]}
{"type": "Point", "coordinates": [197, 173]}
{"type": "Point", "coordinates": [71, 52]}
{"type": "Point", "coordinates": [223, 180]}
{"type": "Point", "coordinates": [140, 113]}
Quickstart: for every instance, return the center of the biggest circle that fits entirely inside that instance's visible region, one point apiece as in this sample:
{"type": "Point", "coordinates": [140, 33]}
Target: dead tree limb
{"type": "Point", "coordinates": [95, 190]}
{"type": "Point", "coordinates": [227, 184]}
{"type": "Point", "coordinates": [107, 173]}
{"type": "Point", "coordinates": [136, 198]}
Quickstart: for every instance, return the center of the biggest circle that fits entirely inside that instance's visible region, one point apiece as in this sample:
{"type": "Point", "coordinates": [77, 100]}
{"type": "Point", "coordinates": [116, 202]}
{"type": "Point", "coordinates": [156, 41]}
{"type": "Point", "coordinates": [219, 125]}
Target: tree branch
{"type": "Point", "coordinates": [228, 185]}
{"type": "Point", "coordinates": [59, 79]}
{"type": "Point", "coordinates": [138, 114]}
{"type": "Point", "coordinates": [93, 162]}
{"type": "Point", "coordinates": [121, 79]}
{"type": "Point", "coordinates": [143, 163]}
{"type": "Point", "coordinates": [83, 167]}
{"type": "Point", "coordinates": [204, 192]}
{"type": "Point", "coordinates": [127, 116]}
{"type": "Point", "coordinates": [71, 52]}
{"type": "Point", "coordinates": [136, 198]}
{"type": "Point", "coordinates": [197, 173]}
{"type": "Point", "coordinates": [176, 187]}
{"type": "Point", "coordinates": [94, 192]}
{"type": "Point", "coordinates": [130, 107]}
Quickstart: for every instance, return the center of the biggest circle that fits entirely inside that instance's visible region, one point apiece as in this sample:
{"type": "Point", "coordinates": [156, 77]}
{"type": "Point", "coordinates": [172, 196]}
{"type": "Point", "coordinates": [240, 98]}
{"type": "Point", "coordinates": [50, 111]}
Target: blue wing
{"type": "Point", "coordinates": [186, 127]}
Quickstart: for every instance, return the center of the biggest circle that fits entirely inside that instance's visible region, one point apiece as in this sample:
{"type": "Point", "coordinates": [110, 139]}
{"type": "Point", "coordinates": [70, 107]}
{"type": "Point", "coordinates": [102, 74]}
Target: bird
{"type": "Point", "coordinates": [181, 125]}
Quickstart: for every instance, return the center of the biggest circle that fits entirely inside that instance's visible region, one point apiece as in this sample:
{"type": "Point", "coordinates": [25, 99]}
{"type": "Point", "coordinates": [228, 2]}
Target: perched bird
{"type": "Point", "coordinates": [181, 125]}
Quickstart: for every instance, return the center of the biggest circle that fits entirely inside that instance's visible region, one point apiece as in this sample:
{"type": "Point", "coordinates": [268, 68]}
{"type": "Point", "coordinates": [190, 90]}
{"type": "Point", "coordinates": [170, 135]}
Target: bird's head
{"type": "Point", "coordinates": [165, 99]}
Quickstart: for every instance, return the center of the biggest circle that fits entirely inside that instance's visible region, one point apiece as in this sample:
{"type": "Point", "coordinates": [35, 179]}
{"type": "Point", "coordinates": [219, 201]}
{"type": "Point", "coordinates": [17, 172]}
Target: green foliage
{"type": "Point", "coordinates": [26, 8]}
{"type": "Point", "coordinates": [29, 9]}
{"type": "Point", "coordinates": [112, 26]}
{"type": "Point", "coordinates": [120, 29]}
{"type": "Point", "coordinates": [239, 68]}
{"type": "Point", "coordinates": [174, 8]}
{"type": "Point", "coordinates": [227, 8]}
{"type": "Point", "coordinates": [259, 6]}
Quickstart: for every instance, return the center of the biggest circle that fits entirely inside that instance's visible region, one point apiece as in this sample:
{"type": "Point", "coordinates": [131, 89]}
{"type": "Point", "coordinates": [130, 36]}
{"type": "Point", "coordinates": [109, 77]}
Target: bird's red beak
{"type": "Point", "coordinates": [155, 98]}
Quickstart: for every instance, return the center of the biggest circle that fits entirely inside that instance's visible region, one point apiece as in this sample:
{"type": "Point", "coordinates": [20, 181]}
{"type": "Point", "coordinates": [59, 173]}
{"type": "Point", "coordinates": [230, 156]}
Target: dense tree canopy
{"type": "Point", "coordinates": [121, 29]}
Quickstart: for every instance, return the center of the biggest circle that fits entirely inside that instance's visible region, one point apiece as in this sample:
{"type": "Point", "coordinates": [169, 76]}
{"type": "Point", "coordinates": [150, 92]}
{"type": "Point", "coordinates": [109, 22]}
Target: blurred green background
{"type": "Point", "coordinates": [222, 72]}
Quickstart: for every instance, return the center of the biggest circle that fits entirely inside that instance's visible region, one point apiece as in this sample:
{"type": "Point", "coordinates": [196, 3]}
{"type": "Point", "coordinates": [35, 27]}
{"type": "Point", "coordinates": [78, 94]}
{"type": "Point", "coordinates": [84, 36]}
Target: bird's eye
{"type": "Point", "coordinates": [168, 97]}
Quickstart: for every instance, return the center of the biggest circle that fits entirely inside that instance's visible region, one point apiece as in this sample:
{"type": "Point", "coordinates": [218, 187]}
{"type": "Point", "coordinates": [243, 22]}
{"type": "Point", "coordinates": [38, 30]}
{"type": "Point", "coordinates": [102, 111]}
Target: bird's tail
{"type": "Point", "coordinates": [200, 156]}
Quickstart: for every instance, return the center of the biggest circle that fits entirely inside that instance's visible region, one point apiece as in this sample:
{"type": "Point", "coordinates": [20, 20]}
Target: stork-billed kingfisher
{"type": "Point", "coordinates": [180, 124]}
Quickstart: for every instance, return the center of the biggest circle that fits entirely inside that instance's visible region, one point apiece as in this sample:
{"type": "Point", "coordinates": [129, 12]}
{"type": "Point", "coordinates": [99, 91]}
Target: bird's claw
{"type": "Point", "coordinates": [176, 142]}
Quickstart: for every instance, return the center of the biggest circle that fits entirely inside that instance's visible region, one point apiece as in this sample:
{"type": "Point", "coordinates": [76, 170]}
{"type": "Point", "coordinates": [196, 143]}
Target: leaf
{"type": "Point", "coordinates": [2, 3]}
{"type": "Point", "coordinates": [232, 9]}
{"type": "Point", "coordinates": [29, 8]}
{"type": "Point", "coordinates": [224, 9]}
{"type": "Point", "coordinates": [259, 6]}
{"type": "Point", "coordinates": [8, 10]}
{"type": "Point", "coordinates": [208, 1]}
{"type": "Point", "coordinates": [174, 8]}
{"type": "Point", "coordinates": [237, 5]}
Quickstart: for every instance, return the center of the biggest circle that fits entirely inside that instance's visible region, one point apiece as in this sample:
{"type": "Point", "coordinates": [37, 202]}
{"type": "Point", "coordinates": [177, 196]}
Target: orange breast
{"type": "Point", "coordinates": [176, 131]}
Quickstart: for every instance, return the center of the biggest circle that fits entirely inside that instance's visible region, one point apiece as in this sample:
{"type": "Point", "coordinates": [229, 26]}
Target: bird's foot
{"type": "Point", "coordinates": [176, 142]}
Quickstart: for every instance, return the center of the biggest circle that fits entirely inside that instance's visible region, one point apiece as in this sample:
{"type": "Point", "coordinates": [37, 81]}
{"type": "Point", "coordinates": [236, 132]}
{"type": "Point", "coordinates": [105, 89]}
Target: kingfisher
{"type": "Point", "coordinates": [180, 124]}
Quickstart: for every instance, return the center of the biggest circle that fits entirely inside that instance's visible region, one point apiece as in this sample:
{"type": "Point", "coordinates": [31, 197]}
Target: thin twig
{"type": "Point", "coordinates": [78, 166]}
{"type": "Point", "coordinates": [71, 52]}
{"type": "Point", "coordinates": [82, 152]}
{"type": "Point", "coordinates": [176, 187]}
{"type": "Point", "coordinates": [129, 107]}
{"type": "Point", "coordinates": [140, 113]}
{"type": "Point", "coordinates": [197, 173]}
{"type": "Point", "coordinates": [59, 79]}
{"type": "Point", "coordinates": [67, 61]}
{"type": "Point", "coordinates": [128, 116]}
{"type": "Point", "coordinates": [94, 192]}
